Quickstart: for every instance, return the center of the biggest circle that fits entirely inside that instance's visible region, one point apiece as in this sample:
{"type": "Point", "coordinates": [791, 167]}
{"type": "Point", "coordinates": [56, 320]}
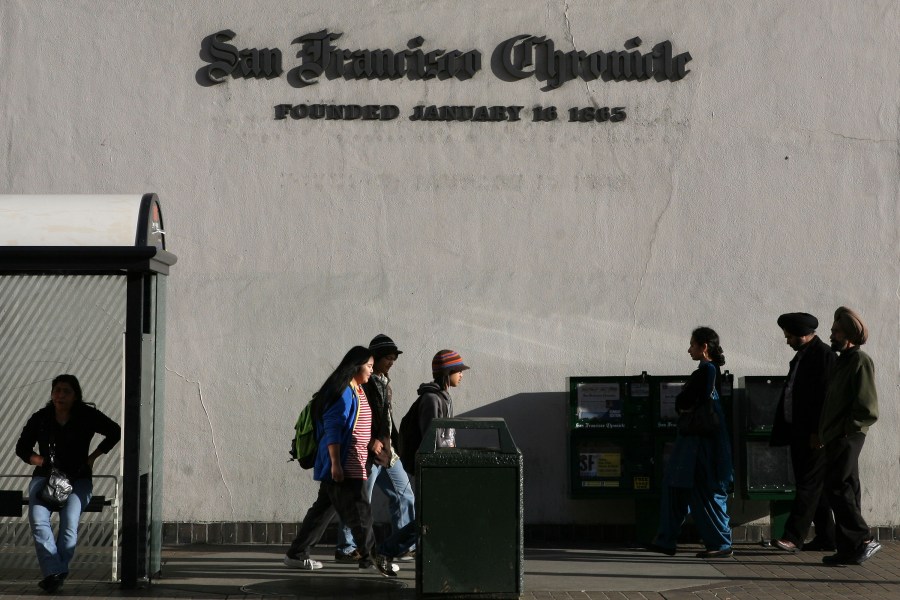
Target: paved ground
{"type": "Point", "coordinates": [550, 573]}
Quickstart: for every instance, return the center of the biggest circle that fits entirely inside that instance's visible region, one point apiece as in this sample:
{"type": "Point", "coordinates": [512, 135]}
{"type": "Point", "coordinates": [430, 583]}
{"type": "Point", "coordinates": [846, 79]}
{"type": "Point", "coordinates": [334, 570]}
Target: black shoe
{"type": "Point", "coordinates": [817, 545]}
{"type": "Point", "coordinates": [381, 565]}
{"type": "Point", "coordinates": [838, 559]}
{"type": "Point", "coordinates": [51, 583]}
{"type": "Point", "coordinates": [660, 549]}
{"type": "Point", "coordinates": [347, 556]}
{"type": "Point", "coordinates": [726, 553]}
{"type": "Point", "coordinates": [867, 551]}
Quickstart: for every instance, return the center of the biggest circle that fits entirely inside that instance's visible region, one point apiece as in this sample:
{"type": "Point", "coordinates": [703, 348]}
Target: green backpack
{"type": "Point", "coordinates": [304, 444]}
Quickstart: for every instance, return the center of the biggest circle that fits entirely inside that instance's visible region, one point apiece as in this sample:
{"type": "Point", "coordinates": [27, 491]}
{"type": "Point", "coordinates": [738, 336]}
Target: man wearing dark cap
{"type": "Point", "coordinates": [796, 424]}
{"type": "Point", "coordinates": [386, 470]}
{"type": "Point", "coordinates": [851, 406]}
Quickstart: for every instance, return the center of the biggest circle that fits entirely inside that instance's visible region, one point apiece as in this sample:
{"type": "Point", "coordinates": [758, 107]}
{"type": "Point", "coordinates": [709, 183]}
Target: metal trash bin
{"type": "Point", "coordinates": [469, 503]}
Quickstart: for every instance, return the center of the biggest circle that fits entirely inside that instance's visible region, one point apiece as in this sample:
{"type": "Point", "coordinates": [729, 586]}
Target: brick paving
{"type": "Point", "coordinates": [755, 572]}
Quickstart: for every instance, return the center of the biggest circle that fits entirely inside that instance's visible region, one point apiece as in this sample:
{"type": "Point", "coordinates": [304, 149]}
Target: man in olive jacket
{"type": "Point", "coordinates": [851, 406]}
{"type": "Point", "coordinates": [796, 425]}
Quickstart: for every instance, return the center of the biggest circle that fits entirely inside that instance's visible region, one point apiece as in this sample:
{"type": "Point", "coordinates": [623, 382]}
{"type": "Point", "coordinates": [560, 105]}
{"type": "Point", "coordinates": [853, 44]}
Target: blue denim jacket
{"type": "Point", "coordinates": [335, 427]}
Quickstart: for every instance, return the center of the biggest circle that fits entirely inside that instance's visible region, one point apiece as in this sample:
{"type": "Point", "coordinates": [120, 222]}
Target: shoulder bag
{"type": "Point", "coordinates": [57, 490]}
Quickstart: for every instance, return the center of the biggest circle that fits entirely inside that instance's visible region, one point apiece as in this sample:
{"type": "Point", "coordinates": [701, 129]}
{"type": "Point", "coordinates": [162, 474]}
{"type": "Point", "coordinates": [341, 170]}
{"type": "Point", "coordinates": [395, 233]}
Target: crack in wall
{"type": "Point", "coordinates": [212, 436]}
{"type": "Point", "coordinates": [847, 137]}
{"type": "Point", "coordinates": [651, 252]}
{"type": "Point", "coordinates": [569, 31]}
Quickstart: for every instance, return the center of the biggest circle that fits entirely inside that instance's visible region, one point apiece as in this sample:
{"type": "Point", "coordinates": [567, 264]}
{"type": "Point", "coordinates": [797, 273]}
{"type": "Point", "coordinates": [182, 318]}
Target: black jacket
{"type": "Point", "coordinates": [383, 426]}
{"type": "Point", "coordinates": [810, 384]}
{"type": "Point", "coordinates": [72, 440]}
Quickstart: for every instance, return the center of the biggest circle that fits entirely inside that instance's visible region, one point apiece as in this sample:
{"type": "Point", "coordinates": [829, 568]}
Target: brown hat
{"type": "Point", "coordinates": [852, 324]}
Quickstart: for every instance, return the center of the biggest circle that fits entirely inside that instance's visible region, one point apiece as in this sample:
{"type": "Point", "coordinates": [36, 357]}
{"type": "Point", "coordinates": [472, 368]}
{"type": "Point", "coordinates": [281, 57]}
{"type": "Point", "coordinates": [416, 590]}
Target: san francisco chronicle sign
{"type": "Point", "coordinates": [520, 57]}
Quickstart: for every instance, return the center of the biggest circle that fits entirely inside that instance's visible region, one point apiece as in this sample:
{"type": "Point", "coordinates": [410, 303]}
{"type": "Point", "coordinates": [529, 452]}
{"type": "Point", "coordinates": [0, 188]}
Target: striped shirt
{"type": "Point", "coordinates": [358, 453]}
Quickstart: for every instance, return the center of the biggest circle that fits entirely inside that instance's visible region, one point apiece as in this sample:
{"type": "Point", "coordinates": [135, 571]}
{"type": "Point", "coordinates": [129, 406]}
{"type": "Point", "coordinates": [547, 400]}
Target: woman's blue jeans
{"type": "Point", "coordinates": [395, 484]}
{"type": "Point", "coordinates": [54, 553]}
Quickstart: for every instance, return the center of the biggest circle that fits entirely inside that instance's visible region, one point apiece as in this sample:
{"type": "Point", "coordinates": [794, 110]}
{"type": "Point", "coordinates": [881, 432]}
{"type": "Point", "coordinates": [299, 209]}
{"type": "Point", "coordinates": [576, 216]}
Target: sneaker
{"type": "Point", "coordinates": [352, 556]}
{"type": "Point", "coordinates": [786, 545]}
{"type": "Point", "coordinates": [410, 555]}
{"type": "Point", "coordinates": [383, 562]}
{"type": "Point", "coordinates": [867, 551]}
{"type": "Point", "coordinates": [306, 564]}
{"type": "Point", "coordinates": [382, 565]}
{"type": "Point", "coordinates": [726, 553]}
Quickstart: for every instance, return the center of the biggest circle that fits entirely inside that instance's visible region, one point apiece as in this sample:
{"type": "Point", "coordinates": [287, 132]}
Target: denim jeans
{"type": "Point", "coordinates": [54, 553]}
{"type": "Point", "coordinates": [400, 542]}
{"type": "Point", "coordinates": [395, 484]}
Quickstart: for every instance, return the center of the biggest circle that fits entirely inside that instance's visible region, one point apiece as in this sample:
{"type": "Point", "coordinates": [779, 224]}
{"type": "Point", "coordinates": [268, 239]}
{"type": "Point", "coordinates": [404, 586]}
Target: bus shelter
{"type": "Point", "coordinates": [83, 291]}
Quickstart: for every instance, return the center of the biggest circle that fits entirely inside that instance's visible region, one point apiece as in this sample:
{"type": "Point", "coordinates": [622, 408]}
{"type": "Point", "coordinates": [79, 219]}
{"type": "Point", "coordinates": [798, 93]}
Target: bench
{"type": "Point", "coordinates": [98, 532]}
{"type": "Point", "coordinates": [13, 502]}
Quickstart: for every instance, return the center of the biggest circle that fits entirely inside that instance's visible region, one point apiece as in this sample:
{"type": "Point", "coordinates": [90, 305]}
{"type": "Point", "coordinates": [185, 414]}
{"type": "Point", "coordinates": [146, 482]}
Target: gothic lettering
{"type": "Point", "coordinates": [536, 56]}
{"type": "Point", "coordinates": [247, 63]}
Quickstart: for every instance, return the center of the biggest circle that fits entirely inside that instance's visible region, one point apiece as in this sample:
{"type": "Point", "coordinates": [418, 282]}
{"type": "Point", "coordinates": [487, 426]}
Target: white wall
{"type": "Point", "coordinates": [765, 181]}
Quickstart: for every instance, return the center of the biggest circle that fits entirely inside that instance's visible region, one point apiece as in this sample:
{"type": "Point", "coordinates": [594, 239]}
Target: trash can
{"type": "Point", "coordinates": [469, 503]}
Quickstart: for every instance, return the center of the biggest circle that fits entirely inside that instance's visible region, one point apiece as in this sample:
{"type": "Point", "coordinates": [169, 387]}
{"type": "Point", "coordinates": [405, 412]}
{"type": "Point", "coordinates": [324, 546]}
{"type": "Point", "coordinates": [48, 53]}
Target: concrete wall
{"type": "Point", "coordinates": [764, 181]}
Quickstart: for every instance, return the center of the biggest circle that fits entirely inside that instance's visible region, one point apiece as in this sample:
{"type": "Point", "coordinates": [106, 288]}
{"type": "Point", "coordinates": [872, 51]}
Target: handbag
{"type": "Point", "coordinates": [58, 488]}
{"type": "Point", "coordinates": [701, 420]}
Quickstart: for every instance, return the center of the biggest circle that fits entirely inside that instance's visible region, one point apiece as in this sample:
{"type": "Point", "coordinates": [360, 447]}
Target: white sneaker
{"type": "Point", "coordinates": [307, 564]}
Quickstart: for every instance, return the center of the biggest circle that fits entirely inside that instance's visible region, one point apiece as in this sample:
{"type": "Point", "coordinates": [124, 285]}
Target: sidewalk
{"type": "Point", "coordinates": [550, 573]}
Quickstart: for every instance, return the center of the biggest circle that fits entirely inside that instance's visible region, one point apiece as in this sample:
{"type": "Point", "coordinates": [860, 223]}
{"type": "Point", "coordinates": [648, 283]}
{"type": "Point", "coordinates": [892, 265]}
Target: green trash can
{"type": "Point", "coordinates": [469, 504]}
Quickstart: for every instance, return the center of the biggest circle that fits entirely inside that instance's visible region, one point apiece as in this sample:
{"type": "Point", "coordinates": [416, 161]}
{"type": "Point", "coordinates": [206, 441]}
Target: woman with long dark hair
{"type": "Point", "coordinates": [699, 470]}
{"type": "Point", "coordinates": [343, 421]}
{"type": "Point", "coordinates": [62, 430]}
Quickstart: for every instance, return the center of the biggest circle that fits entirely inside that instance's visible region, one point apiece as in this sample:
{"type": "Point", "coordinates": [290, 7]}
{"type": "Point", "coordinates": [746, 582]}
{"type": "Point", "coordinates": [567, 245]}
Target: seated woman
{"type": "Point", "coordinates": [63, 430]}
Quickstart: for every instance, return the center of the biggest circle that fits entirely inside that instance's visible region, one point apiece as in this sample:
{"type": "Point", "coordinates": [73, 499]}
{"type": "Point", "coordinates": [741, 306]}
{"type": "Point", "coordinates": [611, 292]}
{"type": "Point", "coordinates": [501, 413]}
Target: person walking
{"type": "Point", "coordinates": [699, 470]}
{"type": "Point", "coordinates": [851, 407]}
{"type": "Point", "coordinates": [447, 368]}
{"type": "Point", "coordinates": [343, 423]}
{"type": "Point", "coordinates": [386, 469]}
{"type": "Point", "coordinates": [796, 424]}
{"type": "Point", "coordinates": [433, 402]}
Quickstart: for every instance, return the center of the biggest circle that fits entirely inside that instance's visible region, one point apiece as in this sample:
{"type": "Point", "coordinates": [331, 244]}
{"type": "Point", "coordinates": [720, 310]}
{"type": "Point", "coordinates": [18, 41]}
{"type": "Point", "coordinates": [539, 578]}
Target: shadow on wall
{"type": "Point", "coordinates": [537, 422]}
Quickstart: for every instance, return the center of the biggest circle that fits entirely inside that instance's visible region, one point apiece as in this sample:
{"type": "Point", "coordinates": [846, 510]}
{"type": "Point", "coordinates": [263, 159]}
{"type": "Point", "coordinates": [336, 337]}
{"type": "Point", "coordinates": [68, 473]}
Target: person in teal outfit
{"type": "Point", "coordinates": [699, 470]}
